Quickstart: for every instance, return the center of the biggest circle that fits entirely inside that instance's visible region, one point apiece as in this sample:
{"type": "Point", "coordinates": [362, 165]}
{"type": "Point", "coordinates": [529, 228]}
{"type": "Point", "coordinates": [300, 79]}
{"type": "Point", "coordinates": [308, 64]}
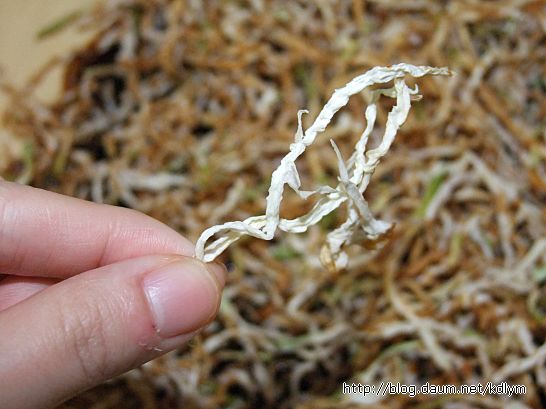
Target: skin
{"type": "Point", "coordinates": [89, 291]}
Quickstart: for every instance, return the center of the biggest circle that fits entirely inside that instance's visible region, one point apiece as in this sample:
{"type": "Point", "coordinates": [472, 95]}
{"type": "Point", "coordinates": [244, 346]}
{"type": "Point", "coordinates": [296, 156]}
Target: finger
{"type": "Point", "coordinates": [14, 289]}
{"type": "Point", "coordinates": [47, 234]}
{"type": "Point", "coordinates": [98, 324]}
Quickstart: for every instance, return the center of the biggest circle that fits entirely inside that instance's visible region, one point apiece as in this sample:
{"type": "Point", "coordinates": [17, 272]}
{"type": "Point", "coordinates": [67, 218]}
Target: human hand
{"type": "Point", "coordinates": [88, 292]}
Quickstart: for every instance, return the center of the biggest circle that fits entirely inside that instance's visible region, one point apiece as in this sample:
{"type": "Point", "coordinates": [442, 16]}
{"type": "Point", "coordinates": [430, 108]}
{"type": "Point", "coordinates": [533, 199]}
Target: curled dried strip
{"type": "Point", "coordinates": [353, 180]}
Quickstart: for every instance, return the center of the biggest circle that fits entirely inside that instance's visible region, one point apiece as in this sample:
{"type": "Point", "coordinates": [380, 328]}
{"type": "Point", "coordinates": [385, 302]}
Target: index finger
{"type": "Point", "coordinates": [50, 235]}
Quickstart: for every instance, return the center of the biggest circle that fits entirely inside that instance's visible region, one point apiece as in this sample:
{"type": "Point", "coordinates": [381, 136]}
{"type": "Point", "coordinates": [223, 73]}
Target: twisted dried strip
{"type": "Point", "coordinates": [360, 223]}
{"type": "Point", "coordinates": [264, 227]}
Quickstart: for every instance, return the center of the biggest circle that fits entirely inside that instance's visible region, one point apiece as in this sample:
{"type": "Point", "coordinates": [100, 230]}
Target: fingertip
{"type": "Point", "coordinates": [218, 271]}
{"type": "Point", "coordinates": [75, 235]}
{"type": "Point", "coordinates": [183, 296]}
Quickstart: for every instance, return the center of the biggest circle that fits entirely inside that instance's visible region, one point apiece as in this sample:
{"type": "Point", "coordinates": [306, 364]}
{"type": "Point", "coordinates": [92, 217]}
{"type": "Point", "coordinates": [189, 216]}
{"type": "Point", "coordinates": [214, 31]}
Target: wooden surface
{"type": "Point", "coordinates": [21, 53]}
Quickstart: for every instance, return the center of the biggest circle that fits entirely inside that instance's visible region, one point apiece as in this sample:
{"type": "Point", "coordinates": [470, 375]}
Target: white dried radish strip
{"type": "Point", "coordinates": [353, 180]}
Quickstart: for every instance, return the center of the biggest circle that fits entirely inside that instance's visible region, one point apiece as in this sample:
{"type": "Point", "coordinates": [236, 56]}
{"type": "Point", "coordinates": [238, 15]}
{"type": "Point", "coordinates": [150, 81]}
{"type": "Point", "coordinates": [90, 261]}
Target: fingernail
{"type": "Point", "coordinates": [183, 296]}
{"type": "Point", "coordinates": [219, 271]}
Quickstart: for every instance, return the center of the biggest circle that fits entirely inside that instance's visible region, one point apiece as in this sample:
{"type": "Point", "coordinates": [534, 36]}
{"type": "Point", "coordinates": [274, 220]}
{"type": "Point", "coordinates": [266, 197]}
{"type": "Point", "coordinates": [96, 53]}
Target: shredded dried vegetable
{"type": "Point", "coordinates": [183, 110]}
{"type": "Point", "coordinates": [354, 178]}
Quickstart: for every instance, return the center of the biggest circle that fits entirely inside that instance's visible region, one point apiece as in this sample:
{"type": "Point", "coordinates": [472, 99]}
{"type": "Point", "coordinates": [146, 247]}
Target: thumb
{"type": "Point", "coordinates": [93, 326]}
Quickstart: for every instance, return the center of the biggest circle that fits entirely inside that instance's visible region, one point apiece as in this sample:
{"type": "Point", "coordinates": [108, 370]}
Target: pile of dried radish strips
{"type": "Point", "coordinates": [185, 109]}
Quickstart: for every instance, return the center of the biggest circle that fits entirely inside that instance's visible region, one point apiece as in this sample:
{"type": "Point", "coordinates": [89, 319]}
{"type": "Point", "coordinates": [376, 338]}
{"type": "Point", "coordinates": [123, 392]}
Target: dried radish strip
{"type": "Point", "coordinates": [354, 177]}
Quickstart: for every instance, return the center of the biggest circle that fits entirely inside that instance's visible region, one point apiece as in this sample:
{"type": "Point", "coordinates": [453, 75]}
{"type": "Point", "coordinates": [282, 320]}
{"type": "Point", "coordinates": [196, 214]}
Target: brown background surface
{"type": "Point", "coordinates": [21, 53]}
